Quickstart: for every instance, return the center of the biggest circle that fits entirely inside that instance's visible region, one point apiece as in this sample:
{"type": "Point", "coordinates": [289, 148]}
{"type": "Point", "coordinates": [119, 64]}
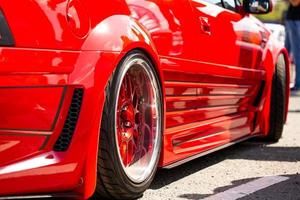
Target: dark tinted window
{"type": "Point", "coordinates": [230, 4]}
{"type": "Point", "coordinates": [216, 2]}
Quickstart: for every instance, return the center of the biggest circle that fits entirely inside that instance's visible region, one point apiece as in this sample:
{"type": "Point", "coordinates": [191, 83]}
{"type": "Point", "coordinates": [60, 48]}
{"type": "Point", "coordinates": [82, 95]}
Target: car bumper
{"type": "Point", "coordinates": [36, 89]}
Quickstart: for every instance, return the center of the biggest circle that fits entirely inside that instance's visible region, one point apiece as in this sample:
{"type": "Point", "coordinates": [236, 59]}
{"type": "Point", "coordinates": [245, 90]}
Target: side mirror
{"type": "Point", "coordinates": [257, 6]}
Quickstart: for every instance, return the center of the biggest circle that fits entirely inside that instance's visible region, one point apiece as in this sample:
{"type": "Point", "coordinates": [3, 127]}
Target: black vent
{"type": "Point", "coordinates": [259, 94]}
{"type": "Point", "coordinates": [64, 140]}
{"type": "Point", "coordinates": [6, 38]}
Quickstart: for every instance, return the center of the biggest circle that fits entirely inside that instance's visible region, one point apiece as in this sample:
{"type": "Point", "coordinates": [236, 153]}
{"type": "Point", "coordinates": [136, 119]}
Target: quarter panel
{"type": "Point", "coordinates": [57, 24]}
{"type": "Point", "coordinates": [38, 164]}
{"type": "Point", "coordinates": [39, 24]}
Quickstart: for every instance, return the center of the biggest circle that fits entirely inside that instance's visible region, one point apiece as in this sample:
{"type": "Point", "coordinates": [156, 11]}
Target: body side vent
{"type": "Point", "coordinates": [64, 140]}
{"type": "Point", "coordinates": [259, 94]}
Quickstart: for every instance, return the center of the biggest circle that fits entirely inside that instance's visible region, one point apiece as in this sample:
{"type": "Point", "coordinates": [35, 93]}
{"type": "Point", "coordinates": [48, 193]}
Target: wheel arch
{"type": "Point", "coordinates": [276, 54]}
{"type": "Point", "coordinates": [121, 35]}
{"type": "Point", "coordinates": [284, 52]}
{"type": "Point", "coordinates": [271, 58]}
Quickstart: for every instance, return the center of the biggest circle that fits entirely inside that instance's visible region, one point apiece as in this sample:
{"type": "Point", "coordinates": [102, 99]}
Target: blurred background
{"type": "Point", "coordinates": [275, 21]}
{"type": "Point", "coordinates": [277, 16]}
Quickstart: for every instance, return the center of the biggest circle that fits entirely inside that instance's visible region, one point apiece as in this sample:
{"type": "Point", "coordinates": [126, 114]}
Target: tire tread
{"type": "Point", "coordinates": [108, 185]}
{"type": "Point", "coordinates": [278, 98]}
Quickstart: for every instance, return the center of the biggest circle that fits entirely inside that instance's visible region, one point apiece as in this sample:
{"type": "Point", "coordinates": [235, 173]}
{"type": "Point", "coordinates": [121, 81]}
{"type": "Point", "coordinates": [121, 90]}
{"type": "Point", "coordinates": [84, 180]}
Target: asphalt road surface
{"type": "Point", "coordinates": [249, 170]}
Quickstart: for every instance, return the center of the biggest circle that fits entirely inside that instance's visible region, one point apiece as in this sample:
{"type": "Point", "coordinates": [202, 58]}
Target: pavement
{"type": "Point", "coordinates": [249, 170]}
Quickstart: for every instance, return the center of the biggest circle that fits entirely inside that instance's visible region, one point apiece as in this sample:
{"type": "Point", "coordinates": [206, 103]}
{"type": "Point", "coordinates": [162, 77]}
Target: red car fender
{"type": "Point", "coordinates": [119, 34]}
{"type": "Point", "coordinates": [271, 56]}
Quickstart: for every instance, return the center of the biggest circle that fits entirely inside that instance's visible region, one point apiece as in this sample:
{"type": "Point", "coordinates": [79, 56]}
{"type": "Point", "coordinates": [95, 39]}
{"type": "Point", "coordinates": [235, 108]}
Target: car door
{"type": "Point", "coordinates": [233, 51]}
{"type": "Point", "coordinates": [235, 39]}
{"type": "Point", "coordinates": [174, 32]}
{"type": "Point", "coordinates": [206, 106]}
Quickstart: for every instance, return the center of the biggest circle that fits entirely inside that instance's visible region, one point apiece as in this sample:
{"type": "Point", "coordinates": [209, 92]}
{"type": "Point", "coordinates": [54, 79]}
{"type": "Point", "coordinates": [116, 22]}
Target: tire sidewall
{"type": "Point", "coordinates": [116, 82]}
{"type": "Point", "coordinates": [278, 101]}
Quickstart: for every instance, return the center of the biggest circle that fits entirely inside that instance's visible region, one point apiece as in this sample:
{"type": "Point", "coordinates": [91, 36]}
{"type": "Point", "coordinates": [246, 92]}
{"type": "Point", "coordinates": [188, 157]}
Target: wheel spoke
{"type": "Point", "coordinates": [136, 121]}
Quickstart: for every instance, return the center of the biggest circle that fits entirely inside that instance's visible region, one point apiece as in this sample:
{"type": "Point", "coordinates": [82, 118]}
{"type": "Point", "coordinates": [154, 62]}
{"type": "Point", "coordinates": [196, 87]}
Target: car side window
{"type": "Point", "coordinates": [230, 4]}
{"type": "Point", "coordinates": [216, 2]}
{"type": "Point", "coordinates": [227, 4]}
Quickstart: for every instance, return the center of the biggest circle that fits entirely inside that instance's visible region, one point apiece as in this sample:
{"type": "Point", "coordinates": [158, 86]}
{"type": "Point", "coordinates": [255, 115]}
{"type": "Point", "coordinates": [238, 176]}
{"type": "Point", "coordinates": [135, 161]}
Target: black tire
{"type": "Point", "coordinates": [112, 181]}
{"type": "Point", "coordinates": [278, 101]}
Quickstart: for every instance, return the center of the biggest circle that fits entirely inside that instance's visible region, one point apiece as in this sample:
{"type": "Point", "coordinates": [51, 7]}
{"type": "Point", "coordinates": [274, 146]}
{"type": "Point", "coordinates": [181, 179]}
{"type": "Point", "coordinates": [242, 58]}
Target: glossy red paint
{"type": "Point", "coordinates": [211, 62]}
{"type": "Point", "coordinates": [13, 147]}
{"type": "Point", "coordinates": [33, 108]}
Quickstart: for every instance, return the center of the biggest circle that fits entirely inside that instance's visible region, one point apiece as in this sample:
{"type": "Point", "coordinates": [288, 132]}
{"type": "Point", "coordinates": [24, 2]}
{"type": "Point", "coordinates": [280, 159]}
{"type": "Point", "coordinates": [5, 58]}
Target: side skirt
{"type": "Point", "coordinates": [180, 162]}
{"type": "Point", "coordinates": [43, 196]}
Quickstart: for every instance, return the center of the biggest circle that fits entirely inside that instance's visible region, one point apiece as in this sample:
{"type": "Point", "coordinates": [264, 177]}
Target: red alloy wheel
{"type": "Point", "coordinates": [138, 119]}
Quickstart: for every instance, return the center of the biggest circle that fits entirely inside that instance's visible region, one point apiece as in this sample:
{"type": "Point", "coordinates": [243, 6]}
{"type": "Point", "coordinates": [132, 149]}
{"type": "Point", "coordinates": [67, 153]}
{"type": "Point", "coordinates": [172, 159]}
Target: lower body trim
{"type": "Point", "coordinates": [180, 162]}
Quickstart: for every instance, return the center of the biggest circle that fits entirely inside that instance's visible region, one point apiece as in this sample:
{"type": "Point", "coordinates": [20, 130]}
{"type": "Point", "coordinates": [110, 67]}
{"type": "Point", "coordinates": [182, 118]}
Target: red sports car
{"type": "Point", "coordinates": [96, 95]}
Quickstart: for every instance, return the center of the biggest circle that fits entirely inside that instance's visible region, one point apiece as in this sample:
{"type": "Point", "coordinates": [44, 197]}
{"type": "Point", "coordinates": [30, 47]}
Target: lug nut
{"type": "Point", "coordinates": [125, 135]}
{"type": "Point", "coordinates": [125, 108]}
{"type": "Point", "coordinates": [141, 101]}
{"type": "Point", "coordinates": [127, 124]}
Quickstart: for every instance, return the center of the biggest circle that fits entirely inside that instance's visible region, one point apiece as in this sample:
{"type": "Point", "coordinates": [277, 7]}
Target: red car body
{"type": "Point", "coordinates": [215, 66]}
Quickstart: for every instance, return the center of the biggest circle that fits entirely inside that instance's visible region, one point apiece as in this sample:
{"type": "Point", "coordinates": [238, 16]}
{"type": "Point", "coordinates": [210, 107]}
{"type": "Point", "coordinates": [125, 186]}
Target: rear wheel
{"type": "Point", "coordinates": [131, 130]}
{"type": "Point", "coordinates": [278, 101]}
